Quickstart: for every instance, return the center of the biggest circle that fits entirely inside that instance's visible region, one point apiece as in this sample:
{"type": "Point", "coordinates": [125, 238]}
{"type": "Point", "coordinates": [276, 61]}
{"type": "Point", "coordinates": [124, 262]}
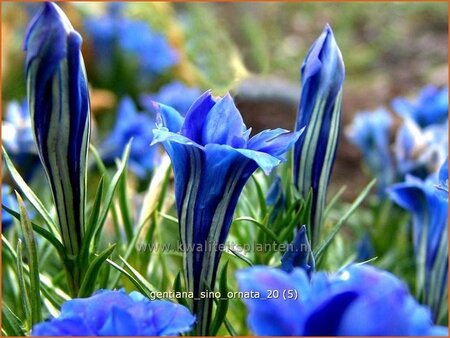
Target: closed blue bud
{"type": "Point", "coordinates": [322, 76]}
{"type": "Point", "coordinates": [430, 238]}
{"type": "Point", "coordinates": [212, 158]}
{"type": "Point", "coordinates": [115, 313]}
{"type": "Point", "coordinates": [420, 151]}
{"type": "Point", "coordinates": [132, 124]}
{"type": "Point", "coordinates": [430, 107]}
{"type": "Point", "coordinates": [369, 131]}
{"type": "Point", "coordinates": [174, 94]}
{"type": "Point", "coordinates": [299, 254]}
{"type": "Point", "coordinates": [58, 100]}
{"type": "Point", "coordinates": [352, 302]}
{"type": "Point", "coordinates": [17, 138]}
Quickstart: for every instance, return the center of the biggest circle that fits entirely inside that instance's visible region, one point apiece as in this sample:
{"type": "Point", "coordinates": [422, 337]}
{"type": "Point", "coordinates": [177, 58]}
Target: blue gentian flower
{"type": "Point", "coordinates": [322, 76]}
{"type": "Point", "coordinates": [132, 124]}
{"type": "Point", "coordinates": [212, 158]}
{"type": "Point", "coordinates": [352, 302]}
{"type": "Point", "coordinates": [8, 200]}
{"type": "Point", "coordinates": [113, 33]}
{"type": "Point", "coordinates": [369, 131]}
{"type": "Point", "coordinates": [420, 151]}
{"type": "Point", "coordinates": [430, 238]}
{"type": "Point", "coordinates": [430, 107]}
{"type": "Point", "coordinates": [58, 100]}
{"type": "Point", "coordinates": [299, 254]}
{"type": "Point", "coordinates": [174, 94]}
{"type": "Point", "coordinates": [115, 313]}
{"type": "Point", "coordinates": [17, 138]}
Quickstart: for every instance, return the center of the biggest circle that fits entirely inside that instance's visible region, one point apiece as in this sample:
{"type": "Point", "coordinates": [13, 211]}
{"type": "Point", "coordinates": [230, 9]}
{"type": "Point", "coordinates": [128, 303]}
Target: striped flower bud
{"type": "Point", "coordinates": [320, 114]}
{"type": "Point", "coordinates": [58, 100]}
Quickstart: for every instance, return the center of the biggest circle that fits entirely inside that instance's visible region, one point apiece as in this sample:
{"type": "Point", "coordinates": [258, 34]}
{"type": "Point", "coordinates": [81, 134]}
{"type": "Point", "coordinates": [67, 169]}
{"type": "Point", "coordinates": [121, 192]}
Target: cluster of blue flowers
{"type": "Point", "coordinates": [421, 141]}
{"type": "Point", "coordinates": [114, 34]}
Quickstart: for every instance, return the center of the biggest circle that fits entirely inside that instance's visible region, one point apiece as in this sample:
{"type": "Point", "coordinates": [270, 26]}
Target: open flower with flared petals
{"type": "Point", "coordinates": [429, 212]}
{"type": "Point", "coordinates": [212, 158]}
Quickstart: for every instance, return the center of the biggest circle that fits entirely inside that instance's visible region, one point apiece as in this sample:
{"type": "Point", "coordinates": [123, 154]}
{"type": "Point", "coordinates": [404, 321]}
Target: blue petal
{"type": "Point", "coordinates": [170, 319]}
{"type": "Point", "coordinates": [196, 116]}
{"type": "Point", "coordinates": [224, 124]}
{"type": "Point", "coordinates": [273, 316]}
{"type": "Point", "coordinates": [274, 141]}
{"type": "Point", "coordinates": [119, 323]}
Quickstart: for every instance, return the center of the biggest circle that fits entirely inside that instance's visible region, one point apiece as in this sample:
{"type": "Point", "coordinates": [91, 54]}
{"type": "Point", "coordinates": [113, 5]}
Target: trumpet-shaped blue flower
{"type": "Point", "coordinates": [212, 158]}
{"type": "Point", "coordinates": [115, 313]}
{"type": "Point", "coordinates": [132, 124]}
{"type": "Point", "coordinates": [319, 113]}
{"type": "Point", "coordinates": [113, 33]}
{"type": "Point", "coordinates": [58, 101]}
{"type": "Point", "coordinates": [430, 238]}
{"type": "Point", "coordinates": [352, 302]}
{"type": "Point", "coordinates": [17, 138]}
{"type": "Point", "coordinates": [174, 94]}
{"type": "Point", "coordinates": [299, 254]}
{"type": "Point", "coordinates": [430, 107]}
{"type": "Point", "coordinates": [418, 151]}
{"type": "Point", "coordinates": [369, 131]}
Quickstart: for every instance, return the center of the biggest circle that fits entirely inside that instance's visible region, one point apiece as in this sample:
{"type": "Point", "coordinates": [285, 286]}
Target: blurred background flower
{"type": "Point", "coordinates": [131, 124]}
{"type": "Point", "coordinates": [17, 138]}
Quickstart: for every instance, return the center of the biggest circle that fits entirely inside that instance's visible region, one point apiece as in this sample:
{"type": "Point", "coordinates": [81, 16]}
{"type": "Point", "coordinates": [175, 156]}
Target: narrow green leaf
{"type": "Point", "coordinates": [222, 303]}
{"type": "Point", "coordinates": [35, 294]}
{"type": "Point", "coordinates": [265, 229]}
{"type": "Point", "coordinates": [11, 323]}
{"type": "Point", "coordinates": [131, 247]}
{"type": "Point", "coordinates": [178, 288]}
{"type": "Point", "coordinates": [243, 258]}
{"type": "Point", "coordinates": [89, 280]}
{"type": "Point", "coordinates": [98, 160]}
{"type": "Point", "coordinates": [42, 232]}
{"type": "Point", "coordinates": [90, 228]}
{"type": "Point", "coordinates": [334, 200]}
{"type": "Point", "coordinates": [230, 328]}
{"type": "Point", "coordinates": [261, 197]}
{"type": "Point", "coordinates": [108, 199]}
{"type": "Point", "coordinates": [318, 252]}
{"type": "Point", "coordinates": [141, 279]}
{"type": "Point", "coordinates": [124, 207]}
{"type": "Point", "coordinates": [141, 288]}
{"type": "Point", "coordinates": [23, 290]}
{"type": "Point", "coordinates": [29, 194]}
{"type": "Point", "coordinates": [52, 293]}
